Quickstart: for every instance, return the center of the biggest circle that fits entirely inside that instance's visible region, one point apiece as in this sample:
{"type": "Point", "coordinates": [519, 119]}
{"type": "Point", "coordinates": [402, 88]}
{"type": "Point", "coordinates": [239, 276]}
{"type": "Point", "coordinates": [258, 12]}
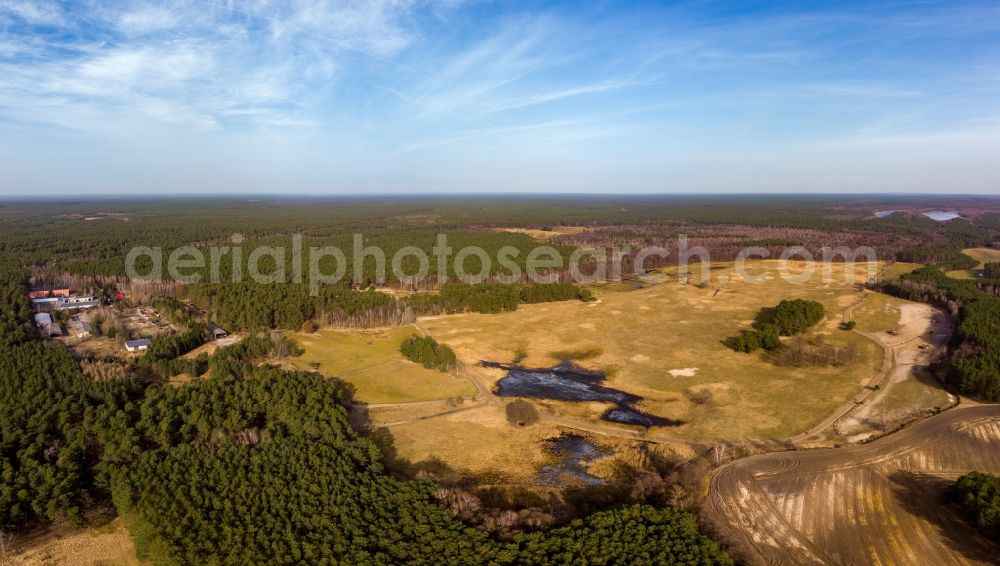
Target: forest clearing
{"type": "Point", "coordinates": [665, 344]}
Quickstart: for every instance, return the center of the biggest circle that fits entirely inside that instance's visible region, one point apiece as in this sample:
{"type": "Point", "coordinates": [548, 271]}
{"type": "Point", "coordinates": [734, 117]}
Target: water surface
{"type": "Point", "coordinates": [567, 382]}
{"type": "Point", "coordinates": [573, 451]}
{"type": "Point", "coordinates": [942, 216]}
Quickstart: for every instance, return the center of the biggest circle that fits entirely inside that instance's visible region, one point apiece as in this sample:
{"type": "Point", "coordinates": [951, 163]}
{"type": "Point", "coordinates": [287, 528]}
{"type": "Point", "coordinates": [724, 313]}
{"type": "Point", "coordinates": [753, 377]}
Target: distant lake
{"type": "Point", "coordinates": [942, 216]}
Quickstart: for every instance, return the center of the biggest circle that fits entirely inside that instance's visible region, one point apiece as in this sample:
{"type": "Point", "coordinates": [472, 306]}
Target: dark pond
{"type": "Point", "coordinates": [566, 382]}
{"type": "Point", "coordinates": [574, 452]}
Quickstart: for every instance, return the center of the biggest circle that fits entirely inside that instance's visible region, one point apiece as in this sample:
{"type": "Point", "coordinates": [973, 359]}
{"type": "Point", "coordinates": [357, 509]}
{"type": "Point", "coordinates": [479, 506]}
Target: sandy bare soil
{"type": "Point", "coordinates": [921, 337]}
{"type": "Point", "coordinates": [877, 503]}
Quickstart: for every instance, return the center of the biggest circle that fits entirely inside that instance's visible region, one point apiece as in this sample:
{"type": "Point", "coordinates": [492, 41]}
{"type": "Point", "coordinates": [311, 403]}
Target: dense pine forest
{"type": "Point", "coordinates": [258, 464]}
{"type": "Point", "coordinates": [93, 238]}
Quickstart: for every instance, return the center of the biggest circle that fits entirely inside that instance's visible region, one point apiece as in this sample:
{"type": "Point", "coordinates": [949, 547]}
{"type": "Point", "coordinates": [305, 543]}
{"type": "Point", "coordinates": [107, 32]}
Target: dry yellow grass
{"type": "Point", "coordinates": [878, 313]}
{"type": "Point", "coordinates": [644, 334]}
{"type": "Point", "coordinates": [370, 361]}
{"type": "Point", "coordinates": [899, 268]}
{"type": "Point", "coordinates": [107, 545]}
{"type": "Point", "coordinates": [478, 442]}
{"type": "Point", "coordinates": [209, 348]}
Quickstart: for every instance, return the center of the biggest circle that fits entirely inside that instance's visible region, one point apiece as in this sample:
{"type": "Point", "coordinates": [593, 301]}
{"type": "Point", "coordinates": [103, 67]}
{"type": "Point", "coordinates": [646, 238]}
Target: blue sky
{"type": "Point", "coordinates": [411, 96]}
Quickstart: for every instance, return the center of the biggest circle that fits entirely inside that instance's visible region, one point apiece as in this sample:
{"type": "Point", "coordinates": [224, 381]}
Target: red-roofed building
{"type": "Point", "coordinates": [42, 292]}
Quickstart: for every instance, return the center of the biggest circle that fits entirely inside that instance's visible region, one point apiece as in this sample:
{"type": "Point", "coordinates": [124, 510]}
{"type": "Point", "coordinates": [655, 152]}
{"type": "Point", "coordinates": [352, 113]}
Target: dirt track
{"type": "Point", "coordinates": [877, 503]}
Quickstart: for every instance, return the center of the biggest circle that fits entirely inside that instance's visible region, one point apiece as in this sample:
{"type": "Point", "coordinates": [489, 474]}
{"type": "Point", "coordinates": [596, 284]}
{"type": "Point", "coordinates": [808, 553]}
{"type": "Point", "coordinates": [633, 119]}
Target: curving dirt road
{"type": "Point", "coordinates": [906, 345]}
{"type": "Point", "coordinates": [877, 503]}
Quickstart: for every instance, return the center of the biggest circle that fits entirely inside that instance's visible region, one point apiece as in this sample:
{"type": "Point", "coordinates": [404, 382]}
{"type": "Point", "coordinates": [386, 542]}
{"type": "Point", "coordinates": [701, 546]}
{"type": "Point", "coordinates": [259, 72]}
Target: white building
{"type": "Point", "coordinates": [137, 345]}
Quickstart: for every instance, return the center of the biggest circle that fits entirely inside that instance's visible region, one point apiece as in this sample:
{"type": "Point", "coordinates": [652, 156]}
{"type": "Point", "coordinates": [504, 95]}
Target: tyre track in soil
{"type": "Point", "coordinates": [876, 503]}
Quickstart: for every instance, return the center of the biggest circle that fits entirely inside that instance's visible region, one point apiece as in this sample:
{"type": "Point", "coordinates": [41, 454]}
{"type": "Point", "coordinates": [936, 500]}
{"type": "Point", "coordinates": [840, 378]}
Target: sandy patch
{"type": "Point", "coordinates": [640, 358]}
{"type": "Point", "coordinates": [909, 314]}
{"type": "Point", "coordinates": [684, 372]}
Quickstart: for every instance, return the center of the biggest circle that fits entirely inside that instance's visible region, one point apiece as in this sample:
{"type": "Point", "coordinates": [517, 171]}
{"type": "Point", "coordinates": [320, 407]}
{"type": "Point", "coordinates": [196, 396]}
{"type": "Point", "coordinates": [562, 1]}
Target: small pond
{"type": "Point", "coordinates": [566, 382]}
{"type": "Point", "coordinates": [573, 451]}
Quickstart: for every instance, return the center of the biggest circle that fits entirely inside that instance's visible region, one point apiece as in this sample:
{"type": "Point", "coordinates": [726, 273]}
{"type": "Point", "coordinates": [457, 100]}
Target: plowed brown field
{"type": "Point", "coordinates": [878, 503]}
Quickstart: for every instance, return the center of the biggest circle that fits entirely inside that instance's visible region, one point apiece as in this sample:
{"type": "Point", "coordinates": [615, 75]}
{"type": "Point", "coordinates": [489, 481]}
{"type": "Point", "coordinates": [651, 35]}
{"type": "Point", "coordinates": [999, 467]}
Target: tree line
{"type": "Point", "coordinates": [254, 306]}
{"type": "Point", "coordinates": [973, 365]}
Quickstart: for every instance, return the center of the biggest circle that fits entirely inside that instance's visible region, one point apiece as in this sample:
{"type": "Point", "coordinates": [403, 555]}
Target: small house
{"type": "Point", "coordinates": [81, 329]}
{"type": "Point", "coordinates": [215, 332]}
{"type": "Point", "coordinates": [137, 345]}
{"type": "Point", "coordinates": [43, 319]}
{"type": "Point", "coordinates": [53, 330]}
{"type": "Point", "coordinates": [44, 301]}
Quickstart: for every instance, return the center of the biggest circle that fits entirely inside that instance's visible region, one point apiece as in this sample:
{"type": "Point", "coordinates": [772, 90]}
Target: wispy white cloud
{"type": "Point", "coordinates": [422, 81]}
{"type": "Point", "coordinates": [37, 12]}
{"type": "Point", "coordinates": [552, 96]}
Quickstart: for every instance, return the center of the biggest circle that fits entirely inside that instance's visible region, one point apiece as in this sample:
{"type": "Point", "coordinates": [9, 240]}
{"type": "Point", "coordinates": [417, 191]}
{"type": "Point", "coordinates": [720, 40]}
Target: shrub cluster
{"type": "Point", "coordinates": [426, 350]}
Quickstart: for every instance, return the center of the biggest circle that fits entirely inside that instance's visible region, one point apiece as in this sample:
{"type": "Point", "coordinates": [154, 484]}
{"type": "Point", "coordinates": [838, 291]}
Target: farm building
{"type": "Point", "coordinates": [81, 328]}
{"type": "Point", "coordinates": [52, 329]}
{"type": "Point", "coordinates": [42, 292]}
{"type": "Point", "coordinates": [215, 332]}
{"type": "Point", "coordinates": [78, 299]}
{"type": "Point", "coordinates": [44, 301]}
{"type": "Point", "coordinates": [43, 318]}
{"type": "Point", "coordinates": [137, 345]}
{"type": "Point", "coordinates": [77, 305]}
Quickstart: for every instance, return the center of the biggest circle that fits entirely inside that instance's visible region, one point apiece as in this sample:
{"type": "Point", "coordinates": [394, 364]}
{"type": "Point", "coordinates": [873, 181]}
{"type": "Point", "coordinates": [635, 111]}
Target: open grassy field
{"type": "Point", "coordinates": [370, 361]}
{"type": "Point", "coordinates": [665, 343]}
{"type": "Point", "coordinates": [982, 255]}
{"type": "Point", "coordinates": [899, 268]}
{"type": "Point", "coordinates": [546, 235]}
{"type": "Point", "coordinates": [879, 313]}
